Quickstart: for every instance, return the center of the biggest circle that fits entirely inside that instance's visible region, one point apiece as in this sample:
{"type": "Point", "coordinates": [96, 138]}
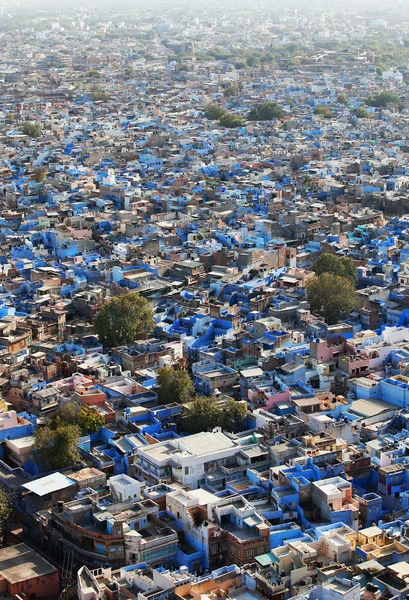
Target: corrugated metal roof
{"type": "Point", "coordinates": [50, 483]}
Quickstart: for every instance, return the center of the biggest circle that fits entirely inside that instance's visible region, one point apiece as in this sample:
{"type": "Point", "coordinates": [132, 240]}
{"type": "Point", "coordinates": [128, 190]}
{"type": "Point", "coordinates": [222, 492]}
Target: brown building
{"type": "Point", "coordinates": [26, 574]}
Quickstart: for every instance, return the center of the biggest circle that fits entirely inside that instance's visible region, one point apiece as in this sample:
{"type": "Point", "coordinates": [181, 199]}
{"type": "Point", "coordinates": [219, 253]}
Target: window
{"type": "Point", "coordinates": [186, 470]}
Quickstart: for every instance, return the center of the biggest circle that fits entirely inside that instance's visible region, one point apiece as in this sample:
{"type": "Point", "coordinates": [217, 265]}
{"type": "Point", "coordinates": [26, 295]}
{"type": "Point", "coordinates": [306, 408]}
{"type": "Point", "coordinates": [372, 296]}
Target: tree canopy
{"type": "Point", "coordinates": [5, 510]}
{"type": "Point", "coordinates": [266, 112]}
{"type": "Point", "coordinates": [336, 265]}
{"type": "Point", "coordinates": [213, 112]}
{"type": "Point", "coordinates": [330, 296]}
{"type": "Point", "coordinates": [201, 415]}
{"type": "Point", "coordinates": [86, 417]}
{"type": "Point", "coordinates": [89, 419]}
{"type": "Point", "coordinates": [32, 130]}
{"type": "Point", "coordinates": [126, 318]}
{"type": "Point", "coordinates": [231, 91]}
{"type": "Point", "coordinates": [56, 448]}
{"type": "Point", "coordinates": [39, 174]}
{"type": "Point", "coordinates": [174, 385]}
{"type": "Point", "coordinates": [205, 414]}
{"type": "Point", "coordinates": [382, 99]}
{"type": "Point", "coordinates": [232, 415]}
{"type": "Point", "coordinates": [324, 111]}
{"type": "Point", "coordinates": [97, 95]}
{"type": "Point", "coordinates": [232, 121]}
{"type": "Point", "coordinates": [362, 113]}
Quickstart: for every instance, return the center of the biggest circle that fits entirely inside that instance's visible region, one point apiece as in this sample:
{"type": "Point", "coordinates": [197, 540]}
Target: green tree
{"type": "Point", "coordinates": [231, 91]}
{"type": "Point", "coordinates": [232, 415]}
{"type": "Point", "coordinates": [32, 130]}
{"type": "Point", "coordinates": [330, 296]}
{"type": "Point", "coordinates": [362, 113]}
{"type": "Point", "coordinates": [88, 418]}
{"type": "Point", "coordinates": [39, 174]}
{"type": "Point", "coordinates": [97, 95]}
{"type": "Point", "coordinates": [342, 99]}
{"type": "Point", "coordinates": [267, 58]}
{"type": "Point", "coordinates": [324, 111]}
{"type": "Point", "coordinates": [56, 448]}
{"type": "Point", "coordinates": [213, 112]}
{"type": "Point", "coordinates": [174, 385]}
{"type": "Point", "coordinates": [266, 111]}
{"type": "Point", "coordinates": [5, 511]}
{"type": "Point", "coordinates": [383, 99]}
{"type": "Point", "coordinates": [252, 61]}
{"type": "Point", "coordinates": [232, 121]}
{"type": "Point", "coordinates": [203, 414]}
{"type": "Point", "coordinates": [336, 265]}
{"type": "Point", "coordinates": [126, 318]}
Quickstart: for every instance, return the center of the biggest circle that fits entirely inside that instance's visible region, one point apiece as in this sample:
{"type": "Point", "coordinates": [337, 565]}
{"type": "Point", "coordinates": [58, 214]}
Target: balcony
{"type": "Point", "coordinates": [151, 475]}
{"type": "Point", "coordinates": [231, 470]}
{"type": "Point", "coordinates": [177, 473]}
{"type": "Point", "coordinates": [273, 588]}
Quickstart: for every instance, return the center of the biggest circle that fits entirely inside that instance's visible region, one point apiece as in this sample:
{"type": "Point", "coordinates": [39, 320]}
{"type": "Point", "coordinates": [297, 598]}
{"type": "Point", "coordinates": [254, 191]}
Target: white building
{"type": "Point", "coordinates": [186, 459]}
{"type": "Point", "coordinates": [123, 488]}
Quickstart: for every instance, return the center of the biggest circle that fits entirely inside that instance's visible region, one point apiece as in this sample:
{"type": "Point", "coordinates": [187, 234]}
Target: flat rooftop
{"type": "Point", "coordinates": [337, 586]}
{"type": "Point", "coordinates": [370, 408]}
{"type": "Point", "coordinates": [85, 474]}
{"type": "Point", "coordinates": [204, 443]}
{"type": "Point", "coordinates": [50, 483]}
{"type": "Point", "coordinates": [20, 563]}
{"type": "Point", "coordinates": [159, 452]}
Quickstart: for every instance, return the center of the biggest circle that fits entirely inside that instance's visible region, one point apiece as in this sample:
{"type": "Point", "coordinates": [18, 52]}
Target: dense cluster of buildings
{"type": "Point", "coordinates": [113, 180]}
